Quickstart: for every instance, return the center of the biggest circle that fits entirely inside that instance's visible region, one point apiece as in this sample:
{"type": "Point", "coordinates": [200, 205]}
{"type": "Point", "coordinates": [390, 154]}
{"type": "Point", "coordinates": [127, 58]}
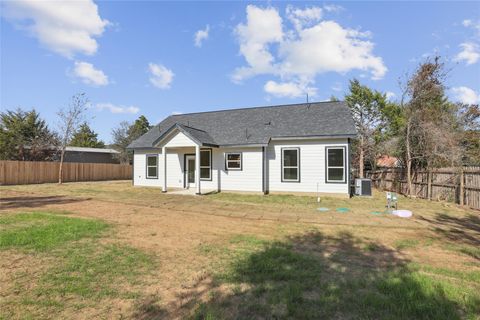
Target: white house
{"type": "Point", "coordinates": [300, 148]}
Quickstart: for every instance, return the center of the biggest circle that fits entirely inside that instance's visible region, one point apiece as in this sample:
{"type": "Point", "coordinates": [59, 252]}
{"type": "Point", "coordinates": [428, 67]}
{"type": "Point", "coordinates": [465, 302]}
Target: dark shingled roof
{"type": "Point", "coordinates": [255, 125]}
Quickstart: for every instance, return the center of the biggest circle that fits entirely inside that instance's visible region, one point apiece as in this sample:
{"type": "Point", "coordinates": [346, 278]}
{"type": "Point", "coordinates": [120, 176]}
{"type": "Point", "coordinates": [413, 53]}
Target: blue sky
{"type": "Point", "coordinates": [158, 58]}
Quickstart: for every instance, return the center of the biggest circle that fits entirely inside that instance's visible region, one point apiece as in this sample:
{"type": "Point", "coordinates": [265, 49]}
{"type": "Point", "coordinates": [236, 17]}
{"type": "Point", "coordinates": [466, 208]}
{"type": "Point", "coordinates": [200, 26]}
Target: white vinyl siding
{"type": "Point", "coordinates": [174, 168]}
{"type": "Point", "coordinates": [140, 169]}
{"type": "Point", "coordinates": [178, 139]}
{"type": "Point", "coordinates": [175, 159]}
{"type": "Point", "coordinates": [312, 166]}
{"type": "Point", "coordinates": [249, 178]}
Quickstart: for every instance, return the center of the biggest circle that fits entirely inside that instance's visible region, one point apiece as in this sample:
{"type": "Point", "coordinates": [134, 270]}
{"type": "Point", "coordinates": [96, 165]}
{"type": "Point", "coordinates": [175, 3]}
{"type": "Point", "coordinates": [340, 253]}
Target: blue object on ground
{"type": "Point", "coordinates": [323, 209]}
{"type": "Point", "coordinates": [343, 210]}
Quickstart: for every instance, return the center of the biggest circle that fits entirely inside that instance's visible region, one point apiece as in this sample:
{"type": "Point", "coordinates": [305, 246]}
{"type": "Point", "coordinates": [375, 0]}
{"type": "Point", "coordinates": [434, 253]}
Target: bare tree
{"type": "Point", "coordinates": [121, 139]}
{"type": "Point", "coordinates": [69, 121]}
{"type": "Point", "coordinates": [431, 138]}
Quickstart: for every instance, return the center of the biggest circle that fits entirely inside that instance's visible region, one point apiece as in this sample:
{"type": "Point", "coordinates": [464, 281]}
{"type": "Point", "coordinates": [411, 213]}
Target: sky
{"type": "Point", "coordinates": [157, 58]}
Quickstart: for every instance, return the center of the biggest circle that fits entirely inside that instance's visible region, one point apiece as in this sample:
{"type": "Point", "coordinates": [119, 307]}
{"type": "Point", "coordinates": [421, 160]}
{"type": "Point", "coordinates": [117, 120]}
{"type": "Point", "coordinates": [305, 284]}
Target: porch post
{"type": "Point", "coordinates": [197, 168]}
{"type": "Point", "coordinates": [164, 157]}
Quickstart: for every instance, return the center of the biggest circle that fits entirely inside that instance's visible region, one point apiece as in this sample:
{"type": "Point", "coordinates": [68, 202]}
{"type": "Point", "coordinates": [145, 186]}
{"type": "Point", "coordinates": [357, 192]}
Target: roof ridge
{"type": "Point", "coordinates": [257, 107]}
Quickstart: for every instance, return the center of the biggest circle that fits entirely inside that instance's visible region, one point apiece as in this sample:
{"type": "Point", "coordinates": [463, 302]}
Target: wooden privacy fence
{"type": "Point", "coordinates": [30, 172]}
{"type": "Point", "coordinates": [461, 186]}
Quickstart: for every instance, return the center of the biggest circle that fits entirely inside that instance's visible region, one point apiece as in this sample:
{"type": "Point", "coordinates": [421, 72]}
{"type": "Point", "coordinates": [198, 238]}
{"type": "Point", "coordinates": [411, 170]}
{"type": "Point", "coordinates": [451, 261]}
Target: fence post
{"type": "Point", "coordinates": [429, 184]}
{"type": "Point", "coordinates": [462, 186]}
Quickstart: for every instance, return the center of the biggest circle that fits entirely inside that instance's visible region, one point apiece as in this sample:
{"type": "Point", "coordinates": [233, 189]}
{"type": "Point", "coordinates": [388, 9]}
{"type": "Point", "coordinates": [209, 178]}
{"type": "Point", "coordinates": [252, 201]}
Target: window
{"type": "Point", "coordinates": [233, 161]}
{"type": "Point", "coordinates": [206, 164]}
{"type": "Point", "coordinates": [290, 165]}
{"type": "Point", "coordinates": [336, 164]}
{"type": "Point", "coordinates": [152, 166]}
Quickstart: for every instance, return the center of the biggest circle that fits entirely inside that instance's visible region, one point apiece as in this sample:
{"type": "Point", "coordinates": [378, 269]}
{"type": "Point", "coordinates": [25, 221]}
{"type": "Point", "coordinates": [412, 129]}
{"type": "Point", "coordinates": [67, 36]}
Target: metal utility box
{"type": "Point", "coordinates": [363, 187]}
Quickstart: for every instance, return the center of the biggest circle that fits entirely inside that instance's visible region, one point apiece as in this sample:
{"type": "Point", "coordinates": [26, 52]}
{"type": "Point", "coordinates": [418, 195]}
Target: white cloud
{"type": "Point", "coordinates": [329, 47]}
{"type": "Point", "coordinates": [466, 95]}
{"type": "Point", "coordinates": [301, 18]}
{"type": "Point", "coordinates": [332, 8]}
{"type": "Point", "coordinates": [470, 49]}
{"type": "Point", "coordinates": [297, 55]}
{"type": "Point", "coordinates": [160, 76]}
{"type": "Point", "coordinates": [288, 89]}
{"type": "Point", "coordinates": [263, 27]}
{"type": "Point", "coordinates": [475, 25]}
{"type": "Point", "coordinates": [467, 23]}
{"type": "Point", "coordinates": [470, 53]}
{"type": "Point", "coordinates": [117, 109]}
{"type": "Point", "coordinates": [201, 35]}
{"type": "Point", "coordinates": [89, 75]}
{"type": "Point", "coordinates": [390, 95]}
{"type": "Point", "coordinates": [64, 27]}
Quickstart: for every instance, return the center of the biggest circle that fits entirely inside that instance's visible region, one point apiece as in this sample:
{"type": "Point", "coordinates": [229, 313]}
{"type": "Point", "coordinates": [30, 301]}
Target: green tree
{"type": "Point", "coordinates": [369, 110]}
{"type": "Point", "coordinates": [86, 137]}
{"type": "Point", "coordinates": [469, 120]}
{"type": "Point", "coordinates": [138, 128]}
{"type": "Point", "coordinates": [25, 136]}
{"type": "Point", "coordinates": [125, 133]}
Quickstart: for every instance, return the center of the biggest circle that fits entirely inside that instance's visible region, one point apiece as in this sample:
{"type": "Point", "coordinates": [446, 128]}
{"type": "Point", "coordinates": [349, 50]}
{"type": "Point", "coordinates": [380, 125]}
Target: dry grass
{"type": "Point", "coordinates": [248, 256]}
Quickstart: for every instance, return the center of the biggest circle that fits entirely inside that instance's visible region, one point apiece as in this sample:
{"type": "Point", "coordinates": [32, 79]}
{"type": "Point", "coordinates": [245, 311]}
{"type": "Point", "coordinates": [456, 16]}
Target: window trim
{"type": "Point", "coordinates": [344, 167]}
{"type": "Point", "coordinates": [209, 167]}
{"type": "Point", "coordinates": [282, 167]}
{"type": "Point", "coordinates": [149, 155]}
{"type": "Point", "coordinates": [226, 161]}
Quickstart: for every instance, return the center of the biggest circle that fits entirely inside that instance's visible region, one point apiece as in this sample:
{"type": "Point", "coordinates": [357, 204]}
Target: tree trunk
{"type": "Point", "coordinates": [60, 169]}
{"type": "Point", "coordinates": [360, 158]}
{"type": "Point", "coordinates": [409, 161]}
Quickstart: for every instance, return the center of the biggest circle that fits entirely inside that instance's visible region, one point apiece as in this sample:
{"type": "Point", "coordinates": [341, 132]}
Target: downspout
{"type": "Point", "coordinates": [349, 170]}
{"type": "Point", "coordinates": [264, 171]}
{"type": "Point", "coordinates": [133, 168]}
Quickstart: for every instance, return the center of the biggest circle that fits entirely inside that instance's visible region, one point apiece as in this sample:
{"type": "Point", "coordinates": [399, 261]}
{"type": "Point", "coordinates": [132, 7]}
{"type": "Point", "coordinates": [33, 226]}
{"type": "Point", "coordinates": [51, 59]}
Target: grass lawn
{"type": "Point", "coordinates": [74, 265]}
{"type": "Point", "coordinates": [108, 250]}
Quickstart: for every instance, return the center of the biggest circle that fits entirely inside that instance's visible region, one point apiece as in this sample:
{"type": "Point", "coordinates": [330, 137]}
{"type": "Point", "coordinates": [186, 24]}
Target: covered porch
{"type": "Point", "coordinates": [186, 160]}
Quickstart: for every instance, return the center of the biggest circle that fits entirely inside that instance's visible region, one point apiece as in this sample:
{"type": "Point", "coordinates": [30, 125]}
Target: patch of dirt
{"type": "Point", "coordinates": [19, 273]}
{"type": "Point", "coordinates": [174, 232]}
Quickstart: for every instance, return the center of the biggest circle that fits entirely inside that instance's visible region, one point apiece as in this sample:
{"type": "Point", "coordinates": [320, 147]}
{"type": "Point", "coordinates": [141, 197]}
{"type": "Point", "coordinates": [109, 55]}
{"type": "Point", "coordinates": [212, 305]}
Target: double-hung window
{"type": "Point", "coordinates": [152, 166]}
{"type": "Point", "coordinates": [206, 164]}
{"type": "Point", "coordinates": [233, 161]}
{"type": "Point", "coordinates": [335, 164]}
{"type": "Point", "coordinates": [290, 165]}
